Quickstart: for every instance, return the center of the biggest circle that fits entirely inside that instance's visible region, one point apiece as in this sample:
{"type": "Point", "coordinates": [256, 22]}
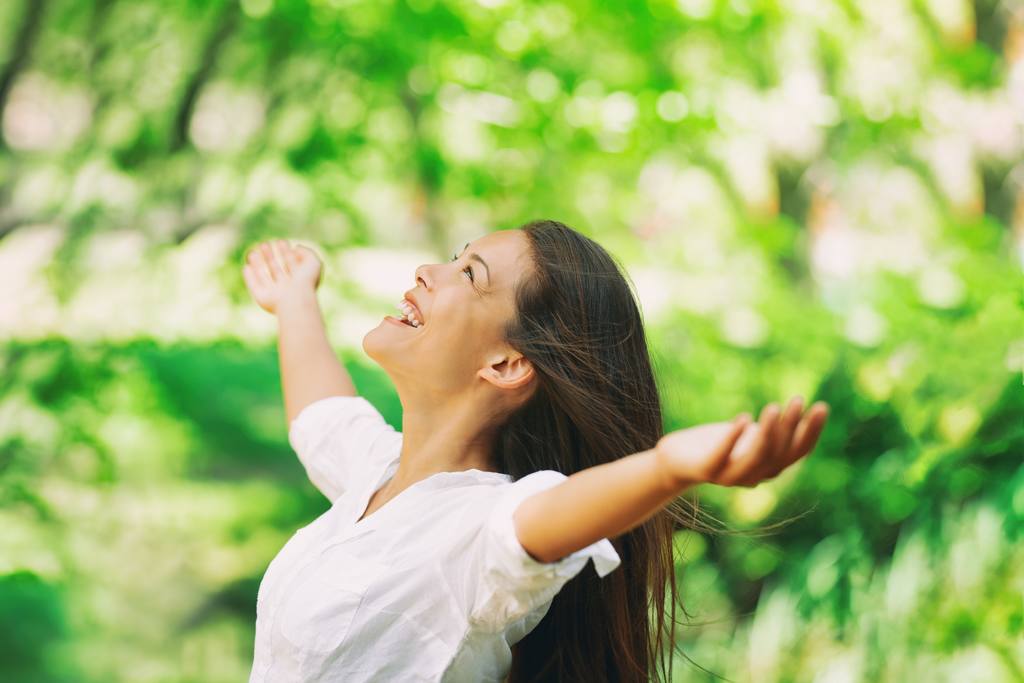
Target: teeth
{"type": "Point", "coordinates": [408, 313]}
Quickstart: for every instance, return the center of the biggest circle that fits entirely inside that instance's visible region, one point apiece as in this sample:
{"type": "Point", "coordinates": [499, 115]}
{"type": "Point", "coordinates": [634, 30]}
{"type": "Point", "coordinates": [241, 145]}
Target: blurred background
{"type": "Point", "coordinates": [816, 197]}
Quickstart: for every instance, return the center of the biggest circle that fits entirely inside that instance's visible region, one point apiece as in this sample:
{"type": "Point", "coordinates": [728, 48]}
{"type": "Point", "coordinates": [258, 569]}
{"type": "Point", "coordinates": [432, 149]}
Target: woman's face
{"type": "Point", "coordinates": [464, 305]}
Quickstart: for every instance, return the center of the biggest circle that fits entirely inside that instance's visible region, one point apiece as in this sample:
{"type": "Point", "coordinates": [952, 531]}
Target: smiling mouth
{"type": "Point", "coordinates": [411, 315]}
{"type": "Point", "coordinates": [402, 321]}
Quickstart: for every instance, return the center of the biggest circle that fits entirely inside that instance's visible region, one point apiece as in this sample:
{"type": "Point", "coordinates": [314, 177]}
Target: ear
{"type": "Point", "coordinates": [511, 370]}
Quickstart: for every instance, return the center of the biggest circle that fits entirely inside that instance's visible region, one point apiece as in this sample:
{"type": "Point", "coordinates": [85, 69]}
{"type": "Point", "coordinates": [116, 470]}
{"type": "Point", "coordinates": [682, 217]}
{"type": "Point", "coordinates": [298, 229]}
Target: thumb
{"type": "Point", "coordinates": [304, 252]}
{"type": "Point", "coordinates": [721, 455]}
{"type": "Point", "coordinates": [309, 258]}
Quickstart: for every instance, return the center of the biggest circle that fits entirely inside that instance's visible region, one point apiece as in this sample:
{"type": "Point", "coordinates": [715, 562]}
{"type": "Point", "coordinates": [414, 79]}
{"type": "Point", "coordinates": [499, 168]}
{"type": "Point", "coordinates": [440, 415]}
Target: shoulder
{"type": "Point", "coordinates": [473, 505]}
{"type": "Point", "coordinates": [509, 495]}
{"type": "Point", "coordinates": [492, 496]}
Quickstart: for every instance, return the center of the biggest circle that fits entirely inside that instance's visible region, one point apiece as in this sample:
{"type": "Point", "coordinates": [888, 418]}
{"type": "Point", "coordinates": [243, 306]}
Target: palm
{"type": "Point", "coordinates": [740, 453]}
{"type": "Point", "coordinates": [274, 269]}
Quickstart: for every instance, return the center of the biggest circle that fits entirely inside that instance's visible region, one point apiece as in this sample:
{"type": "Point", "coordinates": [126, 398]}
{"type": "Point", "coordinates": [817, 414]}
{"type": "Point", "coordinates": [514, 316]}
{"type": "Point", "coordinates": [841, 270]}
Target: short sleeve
{"type": "Point", "coordinates": [512, 583]}
{"type": "Point", "coordinates": [340, 440]}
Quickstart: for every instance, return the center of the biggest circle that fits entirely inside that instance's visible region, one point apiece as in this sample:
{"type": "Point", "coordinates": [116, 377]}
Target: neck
{"type": "Point", "coordinates": [442, 437]}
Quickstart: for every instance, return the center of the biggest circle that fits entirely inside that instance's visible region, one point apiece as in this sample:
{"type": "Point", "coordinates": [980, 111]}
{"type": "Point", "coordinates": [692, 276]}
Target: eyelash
{"type": "Point", "coordinates": [467, 269]}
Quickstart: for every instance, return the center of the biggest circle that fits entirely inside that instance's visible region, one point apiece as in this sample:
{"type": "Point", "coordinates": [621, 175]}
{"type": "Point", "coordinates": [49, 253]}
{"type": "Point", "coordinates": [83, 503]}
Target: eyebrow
{"type": "Point", "coordinates": [476, 257]}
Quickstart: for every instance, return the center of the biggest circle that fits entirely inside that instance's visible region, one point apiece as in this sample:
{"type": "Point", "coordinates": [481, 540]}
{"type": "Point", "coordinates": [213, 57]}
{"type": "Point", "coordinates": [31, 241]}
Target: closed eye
{"type": "Point", "coordinates": [467, 269]}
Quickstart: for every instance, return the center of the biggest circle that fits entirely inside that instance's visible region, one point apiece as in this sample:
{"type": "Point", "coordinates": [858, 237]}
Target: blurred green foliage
{"type": "Point", "coordinates": [816, 198]}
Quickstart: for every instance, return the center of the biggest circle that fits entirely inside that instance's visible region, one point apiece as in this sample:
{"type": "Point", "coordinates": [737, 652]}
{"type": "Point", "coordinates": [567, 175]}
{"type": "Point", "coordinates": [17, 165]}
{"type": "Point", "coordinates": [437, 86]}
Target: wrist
{"type": "Point", "coordinates": [298, 297]}
{"type": "Point", "coordinates": [672, 481]}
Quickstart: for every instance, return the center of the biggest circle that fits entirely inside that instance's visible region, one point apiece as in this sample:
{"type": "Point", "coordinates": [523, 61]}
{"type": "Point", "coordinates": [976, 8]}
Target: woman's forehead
{"type": "Point", "coordinates": [500, 243]}
{"type": "Point", "coordinates": [504, 251]}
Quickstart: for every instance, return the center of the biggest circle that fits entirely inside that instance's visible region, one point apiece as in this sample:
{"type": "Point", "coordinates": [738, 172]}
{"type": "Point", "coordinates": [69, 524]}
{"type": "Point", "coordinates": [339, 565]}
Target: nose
{"type": "Point", "coordinates": [420, 272]}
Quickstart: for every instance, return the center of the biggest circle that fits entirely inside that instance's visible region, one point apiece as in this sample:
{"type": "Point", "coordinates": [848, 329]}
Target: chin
{"type": "Point", "coordinates": [376, 345]}
{"type": "Point", "coordinates": [368, 345]}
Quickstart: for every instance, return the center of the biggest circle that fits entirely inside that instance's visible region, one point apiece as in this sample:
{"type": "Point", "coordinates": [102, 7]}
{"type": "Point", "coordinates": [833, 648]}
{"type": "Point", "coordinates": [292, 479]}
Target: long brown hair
{"type": "Point", "coordinates": [596, 401]}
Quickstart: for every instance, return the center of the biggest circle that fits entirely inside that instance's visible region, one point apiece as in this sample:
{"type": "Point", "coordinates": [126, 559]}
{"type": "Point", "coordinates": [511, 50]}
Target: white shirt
{"type": "Point", "coordinates": [432, 586]}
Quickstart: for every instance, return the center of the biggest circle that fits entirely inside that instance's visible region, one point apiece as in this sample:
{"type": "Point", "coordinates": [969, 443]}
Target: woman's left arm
{"type": "Point", "coordinates": [609, 499]}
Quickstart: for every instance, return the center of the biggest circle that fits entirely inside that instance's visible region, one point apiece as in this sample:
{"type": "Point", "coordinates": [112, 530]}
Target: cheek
{"type": "Point", "coordinates": [463, 333]}
{"type": "Point", "coordinates": [461, 327]}
{"type": "Point", "coordinates": [462, 338]}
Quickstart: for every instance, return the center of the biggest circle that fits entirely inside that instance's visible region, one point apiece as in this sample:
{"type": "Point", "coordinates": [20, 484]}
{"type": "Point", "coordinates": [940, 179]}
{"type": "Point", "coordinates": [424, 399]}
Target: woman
{"type": "Point", "coordinates": [531, 437]}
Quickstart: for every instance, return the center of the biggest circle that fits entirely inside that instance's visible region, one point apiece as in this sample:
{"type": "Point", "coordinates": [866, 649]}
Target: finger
{"type": "Point", "coordinates": [277, 247]}
{"type": "Point", "coordinates": [779, 457]}
{"type": "Point", "coordinates": [305, 253]}
{"type": "Point", "coordinates": [253, 279]}
{"type": "Point", "coordinates": [258, 263]}
{"type": "Point", "coordinates": [282, 249]}
{"type": "Point", "coordinates": [292, 259]}
{"type": "Point", "coordinates": [769, 428]}
{"type": "Point", "coordinates": [748, 462]}
{"type": "Point", "coordinates": [720, 457]}
{"type": "Point", "coordinates": [272, 264]}
{"type": "Point", "coordinates": [743, 467]}
{"type": "Point", "coordinates": [784, 434]}
{"type": "Point", "coordinates": [809, 430]}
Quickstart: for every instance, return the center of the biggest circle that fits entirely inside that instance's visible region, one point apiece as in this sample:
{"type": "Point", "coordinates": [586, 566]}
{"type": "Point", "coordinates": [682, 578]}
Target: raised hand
{"type": "Point", "coordinates": [741, 453]}
{"type": "Point", "coordinates": [275, 269]}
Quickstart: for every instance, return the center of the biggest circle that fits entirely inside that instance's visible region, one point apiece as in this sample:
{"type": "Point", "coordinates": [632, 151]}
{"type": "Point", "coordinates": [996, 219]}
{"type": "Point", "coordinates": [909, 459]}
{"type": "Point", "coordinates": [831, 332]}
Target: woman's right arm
{"type": "Point", "coordinates": [310, 370]}
{"type": "Point", "coordinates": [283, 280]}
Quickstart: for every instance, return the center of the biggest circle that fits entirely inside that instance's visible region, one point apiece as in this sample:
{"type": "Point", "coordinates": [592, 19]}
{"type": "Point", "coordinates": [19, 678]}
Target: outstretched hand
{"type": "Point", "coordinates": [739, 452]}
{"type": "Point", "coordinates": [275, 269]}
